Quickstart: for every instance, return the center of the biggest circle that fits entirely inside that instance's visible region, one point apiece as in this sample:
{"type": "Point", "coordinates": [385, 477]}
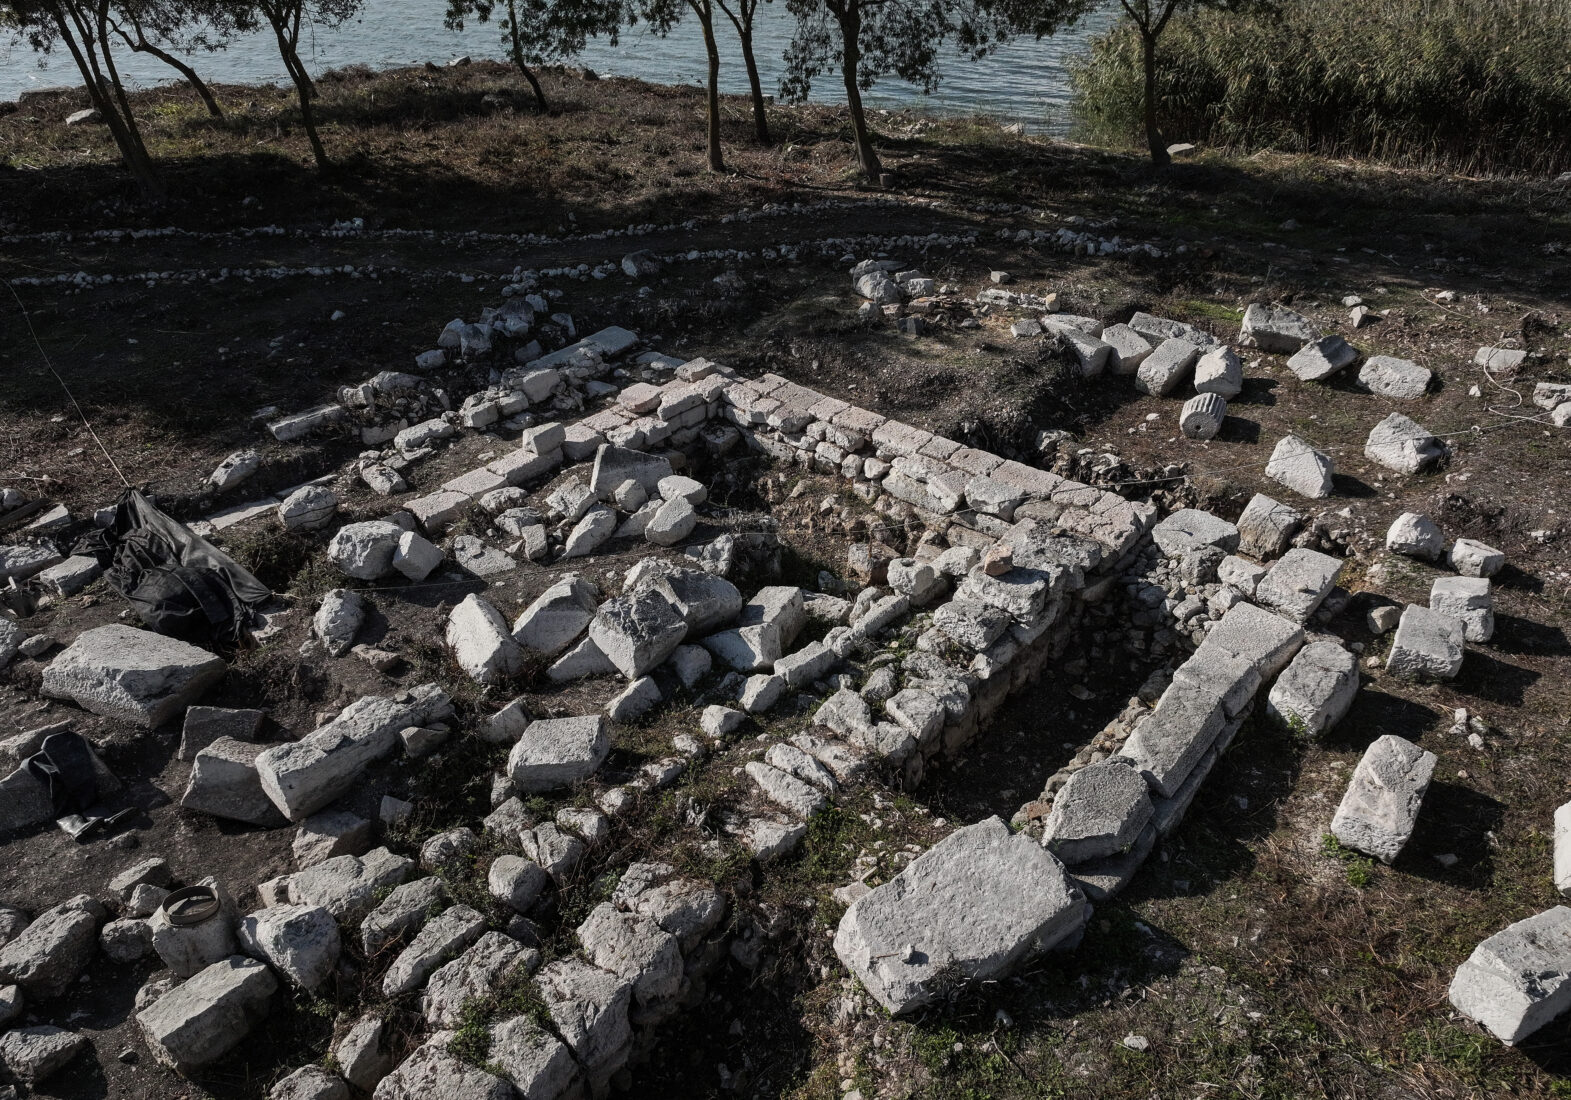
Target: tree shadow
{"type": "Point", "coordinates": [1493, 680]}
{"type": "Point", "coordinates": [1235, 429]}
{"type": "Point", "coordinates": [1526, 638]}
{"type": "Point", "coordinates": [1454, 820]}
{"type": "Point", "coordinates": [1376, 712]}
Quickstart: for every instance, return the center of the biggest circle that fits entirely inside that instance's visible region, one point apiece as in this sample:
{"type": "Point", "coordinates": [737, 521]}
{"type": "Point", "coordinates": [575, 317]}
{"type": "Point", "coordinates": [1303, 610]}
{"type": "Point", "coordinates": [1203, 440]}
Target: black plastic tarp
{"type": "Point", "coordinates": [178, 583]}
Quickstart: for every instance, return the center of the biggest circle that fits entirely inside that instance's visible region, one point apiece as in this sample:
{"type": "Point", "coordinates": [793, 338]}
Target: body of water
{"type": "Point", "coordinates": [1026, 81]}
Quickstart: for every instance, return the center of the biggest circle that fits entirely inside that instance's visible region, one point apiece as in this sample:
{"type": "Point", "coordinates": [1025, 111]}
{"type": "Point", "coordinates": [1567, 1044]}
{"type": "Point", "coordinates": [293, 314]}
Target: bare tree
{"type": "Point", "coordinates": [542, 32]}
{"type": "Point", "coordinates": [1150, 18]}
{"type": "Point", "coordinates": [159, 28]}
{"type": "Point", "coordinates": [83, 27]}
{"type": "Point", "coordinates": [663, 16]}
{"type": "Point", "coordinates": [741, 13]}
{"type": "Point", "coordinates": [286, 18]}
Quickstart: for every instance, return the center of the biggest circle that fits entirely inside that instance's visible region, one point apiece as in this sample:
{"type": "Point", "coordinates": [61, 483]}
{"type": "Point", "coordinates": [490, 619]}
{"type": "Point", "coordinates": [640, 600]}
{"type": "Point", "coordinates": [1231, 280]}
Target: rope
{"type": "Point", "coordinates": [45, 355]}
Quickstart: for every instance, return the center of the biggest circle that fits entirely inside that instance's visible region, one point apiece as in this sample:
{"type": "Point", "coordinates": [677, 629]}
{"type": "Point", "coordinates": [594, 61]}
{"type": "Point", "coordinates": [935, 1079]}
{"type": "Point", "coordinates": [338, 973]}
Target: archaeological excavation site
{"type": "Point", "coordinates": [558, 713]}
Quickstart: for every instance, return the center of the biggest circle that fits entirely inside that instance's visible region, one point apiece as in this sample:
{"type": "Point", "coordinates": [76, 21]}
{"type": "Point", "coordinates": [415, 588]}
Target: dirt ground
{"type": "Point", "coordinates": [1253, 962]}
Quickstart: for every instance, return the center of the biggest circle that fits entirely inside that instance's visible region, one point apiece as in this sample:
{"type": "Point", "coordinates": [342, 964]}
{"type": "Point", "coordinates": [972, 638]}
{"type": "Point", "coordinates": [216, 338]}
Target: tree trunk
{"type": "Point", "coordinates": [851, 54]}
{"type": "Point", "coordinates": [706, 18]}
{"type": "Point", "coordinates": [760, 115]}
{"type": "Point", "coordinates": [518, 58]}
{"type": "Point", "coordinates": [123, 129]}
{"type": "Point", "coordinates": [142, 45]}
{"type": "Point", "coordinates": [305, 90]}
{"type": "Point", "coordinates": [1159, 154]}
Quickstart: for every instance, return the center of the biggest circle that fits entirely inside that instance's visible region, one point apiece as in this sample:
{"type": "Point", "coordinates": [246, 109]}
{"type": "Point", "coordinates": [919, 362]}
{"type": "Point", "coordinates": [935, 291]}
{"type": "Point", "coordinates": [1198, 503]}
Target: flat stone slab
{"type": "Point", "coordinates": [1380, 808]}
{"type": "Point", "coordinates": [1190, 529]}
{"type": "Point", "coordinates": [1276, 328]}
{"type": "Point", "coordinates": [974, 905]}
{"type": "Point", "coordinates": [1267, 640]}
{"type": "Point", "coordinates": [1298, 583]}
{"type": "Point", "coordinates": [1316, 689]}
{"type": "Point", "coordinates": [1169, 742]}
{"type": "Point", "coordinates": [1098, 813]}
{"type": "Point", "coordinates": [1428, 645]}
{"type": "Point", "coordinates": [433, 1072]}
{"type": "Point", "coordinates": [1320, 359]}
{"type": "Point", "coordinates": [1165, 368]}
{"type": "Point", "coordinates": [134, 675]}
{"type": "Point", "coordinates": [1266, 527]}
{"type": "Point", "coordinates": [636, 633]}
{"type": "Point", "coordinates": [558, 752]}
{"type": "Point", "coordinates": [199, 1022]}
{"type": "Point", "coordinates": [1392, 377]}
{"type": "Point", "coordinates": [1301, 468]}
{"type": "Point", "coordinates": [1519, 979]}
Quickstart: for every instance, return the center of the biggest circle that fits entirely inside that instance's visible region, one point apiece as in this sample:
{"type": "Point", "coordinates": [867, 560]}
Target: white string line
{"type": "Point", "coordinates": [74, 404]}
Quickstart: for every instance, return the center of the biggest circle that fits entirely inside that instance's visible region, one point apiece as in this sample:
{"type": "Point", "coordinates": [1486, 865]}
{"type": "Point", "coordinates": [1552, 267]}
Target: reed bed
{"type": "Point", "coordinates": [1476, 86]}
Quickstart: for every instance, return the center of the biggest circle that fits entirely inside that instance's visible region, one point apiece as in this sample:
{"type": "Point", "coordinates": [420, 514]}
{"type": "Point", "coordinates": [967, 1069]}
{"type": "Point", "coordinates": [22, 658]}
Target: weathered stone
{"type": "Point", "coordinates": [1316, 689]}
{"type": "Point", "coordinates": [133, 675]}
{"type": "Point", "coordinates": [1130, 349]}
{"type": "Point", "coordinates": [557, 852]}
{"type": "Point", "coordinates": [1221, 372]}
{"type": "Point", "coordinates": [1266, 528]}
{"type": "Point", "coordinates": [1266, 640]}
{"type": "Point", "coordinates": [1297, 465]}
{"type": "Point", "coordinates": [636, 633]}
{"type": "Point", "coordinates": [635, 948]}
{"type": "Point", "coordinates": [310, 1083]}
{"type": "Point", "coordinates": [308, 508]}
{"type": "Point", "coordinates": [558, 752]}
{"type": "Point", "coordinates": [634, 701]}
{"type": "Point", "coordinates": [557, 616]}
{"type": "Point", "coordinates": [1165, 369]}
{"type": "Point", "coordinates": [151, 872]}
{"type": "Point", "coordinates": [1190, 529]}
{"type": "Point", "coordinates": [614, 465]}
{"type": "Point", "coordinates": [338, 620]}
{"type": "Point", "coordinates": [126, 940]}
{"type": "Point", "coordinates": [49, 954]}
{"type": "Point", "coordinates": [1563, 849]}
{"type": "Point", "coordinates": [401, 914]}
{"type": "Point", "coordinates": [801, 799]}
{"type": "Point", "coordinates": [589, 1007]}
{"type": "Point", "coordinates": [1402, 444]}
{"type": "Point", "coordinates": [1380, 808]}
{"type": "Point", "coordinates": [235, 469]}
{"type": "Point", "coordinates": [432, 1071]}
{"type": "Point", "coordinates": [322, 836]}
{"type": "Point", "coordinates": [204, 725]}
{"type": "Point", "coordinates": [473, 976]}
{"type": "Point", "coordinates": [481, 642]}
{"type": "Point", "coordinates": [439, 941]}
{"type": "Point", "coordinates": [537, 1063]}
{"type": "Point", "coordinates": [516, 881]}
{"type": "Point", "coordinates": [1416, 536]}
{"type": "Point", "coordinates": [1276, 329]}
{"type": "Point", "coordinates": [971, 623]}
{"type": "Point", "coordinates": [1169, 742]}
{"type": "Point", "coordinates": [1428, 645]}
{"type": "Point", "coordinates": [1202, 416]}
{"type": "Point", "coordinates": [703, 600]}
{"type": "Point", "coordinates": [1298, 583]}
{"type": "Point", "coordinates": [1468, 599]}
{"type": "Point", "coordinates": [448, 850]}
{"type": "Point", "coordinates": [1320, 359]}
{"type": "Point", "coordinates": [927, 921]}
{"type": "Point", "coordinates": [1474, 559]}
{"type": "Point", "coordinates": [362, 1055]}
{"type": "Point", "coordinates": [303, 776]}
{"type": "Point", "coordinates": [416, 556]}
{"type": "Point", "coordinates": [365, 551]}
{"type": "Point", "coordinates": [1519, 979]}
{"type": "Point", "coordinates": [300, 941]}
{"type": "Point", "coordinates": [347, 886]}
{"type": "Point", "coordinates": [1098, 813]}
{"type": "Point", "coordinates": [199, 1022]}
{"type": "Point", "coordinates": [672, 522]}
{"type": "Point", "coordinates": [1393, 377]}
{"type": "Point", "coordinates": [224, 783]}
{"type": "Point", "coordinates": [34, 1054]}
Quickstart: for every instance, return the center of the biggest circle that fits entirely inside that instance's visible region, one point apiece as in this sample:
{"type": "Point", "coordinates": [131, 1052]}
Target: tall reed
{"type": "Point", "coordinates": [1467, 85]}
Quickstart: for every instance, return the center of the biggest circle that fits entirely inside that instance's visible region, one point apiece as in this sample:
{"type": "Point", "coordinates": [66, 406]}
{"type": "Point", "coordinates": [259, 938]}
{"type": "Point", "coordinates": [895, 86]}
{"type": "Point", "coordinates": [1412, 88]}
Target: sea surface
{"type": "Point", "coordinates": [1026, 81]}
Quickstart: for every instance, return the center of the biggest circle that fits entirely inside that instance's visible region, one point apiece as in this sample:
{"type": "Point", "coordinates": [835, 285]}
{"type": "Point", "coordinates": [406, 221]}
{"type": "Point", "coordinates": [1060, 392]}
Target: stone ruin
{"type": "Point", "coordinates": [1009, 573]}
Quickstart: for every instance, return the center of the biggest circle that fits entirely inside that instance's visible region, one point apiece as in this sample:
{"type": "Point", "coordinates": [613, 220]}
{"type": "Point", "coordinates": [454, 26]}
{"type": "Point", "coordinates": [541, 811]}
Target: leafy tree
{"type": "Point", "coordinates": [1150, 18]}
{"type": "Point", "coordinates": [83, 27]}
{"type": "Point", "coordinates": [870, 39]}
{"type": "Point", "coordinates": [157, 27]}
{"type": "Point", "coordinates": [286, 18]}
{"type": "Point", "coordinates": [542, 32]}
{"type": "Point", "coordinates": [741, 13]}
{"type": "Point", "coordinates": [662, 16]}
